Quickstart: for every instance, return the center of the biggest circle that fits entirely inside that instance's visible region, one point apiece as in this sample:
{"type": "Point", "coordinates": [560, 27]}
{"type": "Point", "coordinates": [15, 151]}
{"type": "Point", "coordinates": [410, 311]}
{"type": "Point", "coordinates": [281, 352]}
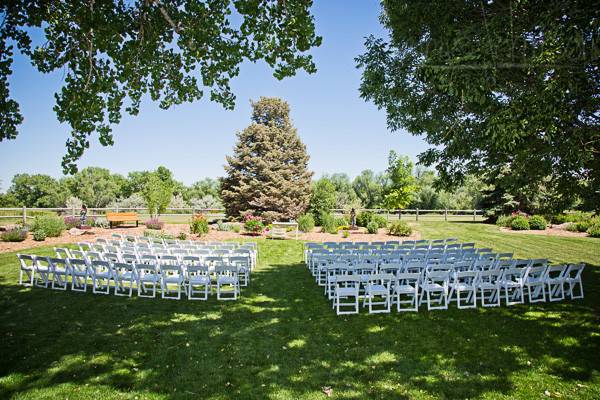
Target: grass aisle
{"type": "Point", "coordinates": [282, 340]}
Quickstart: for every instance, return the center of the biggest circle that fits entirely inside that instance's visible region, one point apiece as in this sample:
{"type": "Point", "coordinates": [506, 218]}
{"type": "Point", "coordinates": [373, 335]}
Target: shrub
{"type": "Point", "coordinates": [236, 228]}
{"type": "Point", "coordinates": [14, 235]}
{"type": "Point", "coordinates": [581, 226]}
{"type": "Point", "coordinates": [345, 233]}
{"type": "Point", "coordinates": [505, 220]}
{"type": "Point", "coordinates": [519, 223]}
{"type": "Point", "coordinates": [39, 235]}
{"type": "Point", "coordinates": [199, 225]}
{"type": "Point", "coordinates": [340, 221]}
{"type": "Point", "coordinates": [72, 222]}
{"type": "Point", "coordinates": [328, 223]}
{"type": "Point", "coordinates": [306, 223]}
{"type": "Point", "coordinates": [182, 236]}
{"type": "Point", "coordinates": [270, 216]}
{"type": "Point", "coordinates": [101, 223]}
{"type": "Point", "coordinates": [537, 222]}
{"type": "Point", "coordinates": [52, 226]}
{"type": "Point", "coordinates": [253, 224]}
{"type": "Point", "coordinates": [594, 230]}
{"type": "Point", "coordinates": [400, 228]}
{"type": "Point", "coordinates": [155, 224]}
{"type": "Point", "coordinates": [363, 218]}
{"type": "Point", "coordinates": [372, 227]}
{"type": "Point", "coordinates": [380, 220]}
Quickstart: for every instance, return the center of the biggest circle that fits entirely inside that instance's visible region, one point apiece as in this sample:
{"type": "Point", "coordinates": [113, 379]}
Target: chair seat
{"type": "Point", "coordinates": [126, 276]}
{"type": "Point", "coordinates": [464, 287]}
{"type": "Point", "coordinates": [227, 280]}
{"type": "Point", "coordinates": [487, 285]}
{"type": "Point", "coordinates": [347, 291]}
{"type": "Point", "coordinates": [377, 289]}
{"type": "Point", "coordinates": [204, 279]}
{"type": "Point", "coordinates": [432, 287]}
{"type": "Point", "coordinates": [149, 278]}
{"type": "Point", "coordinates": [172, 279]}
{"type": "Point", "coordinates": [404, 289]}
{"type": "Point", "coordinates": [102, 275]}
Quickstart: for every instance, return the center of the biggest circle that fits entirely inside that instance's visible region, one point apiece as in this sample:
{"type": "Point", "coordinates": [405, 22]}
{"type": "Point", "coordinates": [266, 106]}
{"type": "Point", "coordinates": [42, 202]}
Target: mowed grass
{"type": "Point", "coordinates": [282, 340]}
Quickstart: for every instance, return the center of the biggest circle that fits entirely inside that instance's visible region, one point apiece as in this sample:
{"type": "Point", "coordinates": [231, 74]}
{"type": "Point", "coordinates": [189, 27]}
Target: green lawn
{"type": "Point", "coordinates": [282, 340]}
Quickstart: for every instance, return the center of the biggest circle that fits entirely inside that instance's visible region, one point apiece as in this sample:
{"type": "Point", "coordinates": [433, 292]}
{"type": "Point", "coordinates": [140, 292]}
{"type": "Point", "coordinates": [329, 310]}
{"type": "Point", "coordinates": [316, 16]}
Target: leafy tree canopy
{"type": "Point", "coordinates": [496, 87]}
{"type": "Point", "coordinates": [401, 182]}
{"type": "Point", "coordinates": [95, 186]}
{"type": "Point", "coordinates": [36, 191]}
{"type": "Point", "coordinates": [114, 52]}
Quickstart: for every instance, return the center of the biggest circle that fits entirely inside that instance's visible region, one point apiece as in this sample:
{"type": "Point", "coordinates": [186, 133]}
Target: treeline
{"type": "Point", "coordinates": [98, 187]}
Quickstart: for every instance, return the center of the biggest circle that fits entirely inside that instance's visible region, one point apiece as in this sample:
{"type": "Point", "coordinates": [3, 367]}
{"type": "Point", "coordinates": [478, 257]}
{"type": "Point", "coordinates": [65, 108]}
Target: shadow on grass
{"type": "Point", "coordinates": [282, 339]}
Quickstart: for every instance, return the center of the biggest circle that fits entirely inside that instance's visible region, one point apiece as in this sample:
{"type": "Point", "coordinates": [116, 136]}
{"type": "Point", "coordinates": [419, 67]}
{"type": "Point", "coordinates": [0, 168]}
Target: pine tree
{"type": "Point", "coordinates": [268, 173]}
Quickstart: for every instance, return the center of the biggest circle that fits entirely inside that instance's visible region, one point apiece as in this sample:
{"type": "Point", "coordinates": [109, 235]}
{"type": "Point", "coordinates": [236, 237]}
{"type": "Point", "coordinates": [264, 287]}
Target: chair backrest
{"type": "Point", "coordinates": [84, 246]}
{"type": "Point", "coordinates": [491, 276]}
{"type": "Point", "coordinates": [190, 260]}
{"type": "Point", "coordinates": [229, 270]}
{"type": "Point", "coordinates": [93, 256]}
{"type": "Point", "coordinates": [57, 264]}
{"type": "Point", "coordinates": [467, 277]}
{"type": "Point", "coordinates": [196, 269]}
{"type": "Point", "coordinates": [100, 266]}
{"type": "Point", "coordinates": [347, 280]}
{"type": "Point", "coordinates": [408, 278]}
{"type": "Point", "coordinates": [556, 271]}
{"type": "Point", "coordinates": [27, 261]}
{"type": "Point", "coordinates": [112, 257]}
{"type": "Point", "coordinates": [170, 270]}
{"type": "Point", "coordinates": [112, 249]}
{"type": "Point", "coordinates": [146, 269]}
{"type": "Point", "coordinates": [148, 259]}
{"type": "Point", "coordinates": [62, 252]}
{"type": "Point", "coordinates": [574, 271]}
{"type": "Point", "coordinates": [393, 269]}
{"type": "Point", "coordinates": [168, 259]}
{"type": "Point", "coordinates": [78, 265]}
{"type": "Point", "coordinates": [122, 268]}
{"type": "Point", "coordinates": [130, 258]}
{"type": "Point", "coordinates": [439, 277]}
{"type": "Point", "coordinates": [385, 279]}
{"type": "Point", "coordinates": [102, 240]}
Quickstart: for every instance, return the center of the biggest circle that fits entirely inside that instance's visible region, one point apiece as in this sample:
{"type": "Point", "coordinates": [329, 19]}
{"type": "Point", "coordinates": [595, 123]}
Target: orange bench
{"type": "Point", "coordinates": [117, 218]}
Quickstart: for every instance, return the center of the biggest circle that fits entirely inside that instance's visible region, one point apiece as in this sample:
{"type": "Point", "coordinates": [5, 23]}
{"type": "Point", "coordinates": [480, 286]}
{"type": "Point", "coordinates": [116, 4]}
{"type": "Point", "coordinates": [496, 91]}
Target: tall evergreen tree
{"type": "Point", "coordinates": [268, 171]}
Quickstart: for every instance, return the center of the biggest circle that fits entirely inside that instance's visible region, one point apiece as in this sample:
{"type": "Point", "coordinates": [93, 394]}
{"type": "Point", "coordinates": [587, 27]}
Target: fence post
{"type": "Point", "coordinates": [445, 214]}
{"type": "Point", "coordinates": [73, 210]}
{"type": "Point", "coordinates": [387, 215]}
{"type": "Point", "coordinates": [24, 215]}
{"type": "Point", "coordinates": [474, 214]}
{"type": "Point", "coordinates": [417, 215]}
{"type": "Point", "coordinates": [399, 214]}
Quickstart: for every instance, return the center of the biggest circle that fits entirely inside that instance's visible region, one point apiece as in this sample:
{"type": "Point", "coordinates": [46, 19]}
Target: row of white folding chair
{"type": "Point", "coordinates": [176, 252]}
{"type": "Point", "coordinates": [403, 259]}
{"type": "Point", "coordinates": [55, 272]}
{"type": "Point", "coordinates": [240, 259]}
{"type": "Point", "coordinates": [148, 240]}
{"type": "Point", "coordinates": [441, 287]}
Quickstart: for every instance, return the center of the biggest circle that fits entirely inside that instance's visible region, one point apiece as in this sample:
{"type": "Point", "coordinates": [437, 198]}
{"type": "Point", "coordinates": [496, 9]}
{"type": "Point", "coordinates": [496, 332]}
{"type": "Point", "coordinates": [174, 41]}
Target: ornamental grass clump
{"type": "Point", "coordinates": [594, 230]}
{"type": "Point", "coordinates": [39, 235]}
{"type": "Point", "coordinates": [306, 223]}
{"type": "Point", "coordinates": [155, 224]}
{"type": "Point", "coordinates": [14, 235]}
{"type": "Point", "coordinates": [372, 227]}
{"type": "Point", "coordinates": [72, 221]}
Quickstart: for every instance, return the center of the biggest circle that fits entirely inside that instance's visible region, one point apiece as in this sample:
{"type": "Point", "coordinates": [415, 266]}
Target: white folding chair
{"type": "Point", "coordinates": [536, 284]}
{"type": "Point", "coordinates": [243, 266]}
{"type": "Point", "coordinates": [27, 268]}
{"type": "Point", "coordinates": [555, 282]}
{"type": "Point", "coordinates": [42, 272]}
{"type": "Point", "coordinates": [171, 275]}
{"type": "Point", "coordinates": [101, 275]}
{"type": "Point", "coordinates": [436, 282]}
{"type": "Point", "coordinates": [513, 283]}
{"type": "Point", "coordinates": [125, 278]}
{"type": "Point", "coordinates": [465, 282]}
{"type": "Point", "coordinates": [80, 272]}
{"type": "Point", "coordinates": [228, 284]}
{"type": "Point", "coordinates": [573, 279]}
{"type": "Point", "coordinates": [346, 287]}
{"type": "Point", "coordinates": [406, 285]}
{"type": "Point", "coordinates": [378, 286]}
{"type": "Point", "coordinates": [488, 283]}
{"type": "Point", "coordinates": [197, 276]}
{"type": "Point", "coordinates": [148, 277]}
{"type": "Point", "coordinates": [60, 272]}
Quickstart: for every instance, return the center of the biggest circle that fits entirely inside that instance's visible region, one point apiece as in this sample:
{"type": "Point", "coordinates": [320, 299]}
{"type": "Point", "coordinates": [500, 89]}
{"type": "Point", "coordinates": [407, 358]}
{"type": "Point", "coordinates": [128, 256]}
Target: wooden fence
{"type": "Point", "coordinates": [213, 214]}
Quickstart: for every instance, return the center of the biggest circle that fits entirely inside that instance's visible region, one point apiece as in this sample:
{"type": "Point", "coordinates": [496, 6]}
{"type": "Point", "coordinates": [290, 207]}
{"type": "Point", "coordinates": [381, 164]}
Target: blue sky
{"type": "Point", "coordinates": [342, 132]}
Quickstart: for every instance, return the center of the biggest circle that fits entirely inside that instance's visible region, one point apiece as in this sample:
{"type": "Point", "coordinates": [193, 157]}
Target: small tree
{"type": "Point", "coordinates": [268, 170]}
{"type": "Point", "coordinates": [402, 183]}
{"type": "Point", "coordinates": [323, 198]}
{"type": "Point", "coordinates": [157, 194]}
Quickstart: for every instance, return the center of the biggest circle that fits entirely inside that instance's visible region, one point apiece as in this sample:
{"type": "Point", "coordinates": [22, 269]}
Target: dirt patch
{"type": "Point", "coordinates": [213, 235]}
{"type": "Point", "coordinates": [557, 230]}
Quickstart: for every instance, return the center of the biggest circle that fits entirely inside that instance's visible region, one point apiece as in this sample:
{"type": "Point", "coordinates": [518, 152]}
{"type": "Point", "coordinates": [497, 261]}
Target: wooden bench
{"type": "Point", "coordinates": [117, 218]}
